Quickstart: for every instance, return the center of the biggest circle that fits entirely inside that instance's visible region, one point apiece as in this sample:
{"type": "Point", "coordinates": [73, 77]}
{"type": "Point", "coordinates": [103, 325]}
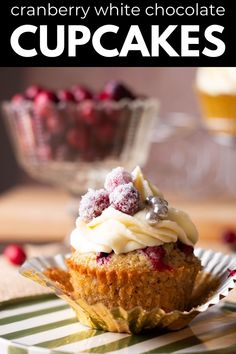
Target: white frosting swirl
{"type": "Point", "coordinates": [217, 81]}
{"type": "Point", "coordinates": [122, 233]}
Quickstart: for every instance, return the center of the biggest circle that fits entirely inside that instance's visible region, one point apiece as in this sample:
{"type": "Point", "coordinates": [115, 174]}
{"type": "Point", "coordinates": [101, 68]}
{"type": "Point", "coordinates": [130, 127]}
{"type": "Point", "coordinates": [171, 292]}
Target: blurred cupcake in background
{"type": "Point", "coordinates": [217, 94]}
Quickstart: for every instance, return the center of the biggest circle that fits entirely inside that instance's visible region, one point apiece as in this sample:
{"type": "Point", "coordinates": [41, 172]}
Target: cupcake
{"type": "Point", "coordinates": [217, 94]}
{"type": "Point", "coordinates": [131, 249]}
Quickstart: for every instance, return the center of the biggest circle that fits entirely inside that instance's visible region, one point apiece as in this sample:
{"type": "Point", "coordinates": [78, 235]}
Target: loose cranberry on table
{"type": "Point", "coordinates": [15, 254]}
{"type": "Point", "coordinates": [229, 236]}
{"type": "Point", "coordinates": [115, 91]}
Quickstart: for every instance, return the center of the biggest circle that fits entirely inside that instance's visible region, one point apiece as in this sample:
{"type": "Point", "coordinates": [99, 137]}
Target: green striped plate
{"type": "Point", "coordinates": [47, 325]}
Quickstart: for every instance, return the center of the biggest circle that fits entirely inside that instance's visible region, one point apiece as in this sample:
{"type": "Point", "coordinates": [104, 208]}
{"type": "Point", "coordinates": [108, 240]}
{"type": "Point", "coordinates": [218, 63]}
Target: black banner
{"type": "Point", "coordinates": [114, 33]}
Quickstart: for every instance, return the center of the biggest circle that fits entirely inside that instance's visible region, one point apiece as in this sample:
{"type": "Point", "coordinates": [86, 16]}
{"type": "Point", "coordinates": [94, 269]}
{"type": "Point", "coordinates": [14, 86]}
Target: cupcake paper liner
{"type": "Point", "coordinates": [212, 284]}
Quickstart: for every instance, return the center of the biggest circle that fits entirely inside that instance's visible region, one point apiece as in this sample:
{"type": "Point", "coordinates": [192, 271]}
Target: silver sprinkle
{"type": "Point", "coordinates": [157, 200]}
{"type": "Point", "coordinates": [149, 199]}
{"type": "Point", "coordinates": [165, 202]}
{"type": "Point", "coordinates": [152, 217]}
{"type": "Point", "coordinates": [161, 211]}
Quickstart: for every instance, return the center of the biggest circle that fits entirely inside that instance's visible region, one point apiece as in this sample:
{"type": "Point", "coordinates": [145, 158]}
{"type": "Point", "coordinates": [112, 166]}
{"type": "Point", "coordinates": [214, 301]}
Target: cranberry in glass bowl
{"type": "Point", "coordinates": [71, 138]}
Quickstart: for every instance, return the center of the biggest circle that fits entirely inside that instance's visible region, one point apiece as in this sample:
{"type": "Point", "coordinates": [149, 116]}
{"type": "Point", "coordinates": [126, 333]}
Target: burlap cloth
{"type": "Point", "coordinates": [14, 286]}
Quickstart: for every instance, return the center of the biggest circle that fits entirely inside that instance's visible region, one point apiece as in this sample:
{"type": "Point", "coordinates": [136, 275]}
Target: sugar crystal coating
{"type": "Point", "coordinates": [117, 177]}
{"type": "Point", "coordinates": [125, 198]}
{"type": "Point", "coordinates": [93, 203]}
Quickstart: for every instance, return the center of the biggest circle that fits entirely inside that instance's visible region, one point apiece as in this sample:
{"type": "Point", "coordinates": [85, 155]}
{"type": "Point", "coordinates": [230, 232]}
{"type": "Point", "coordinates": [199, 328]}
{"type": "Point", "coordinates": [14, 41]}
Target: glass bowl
{"type": "Point", "coordinates": [74, 145]}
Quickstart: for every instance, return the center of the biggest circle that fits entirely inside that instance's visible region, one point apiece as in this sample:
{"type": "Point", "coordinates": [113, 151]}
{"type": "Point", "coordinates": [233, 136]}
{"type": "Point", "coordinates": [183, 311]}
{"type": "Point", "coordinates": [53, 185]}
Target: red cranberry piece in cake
{"type": "Point", "coordinates": [117, 177]}
{"type": "Point", "coordinates": [93, 203]}
{"type": "Point", "coordinates": [15, 254]}
{"type": "Point", "coordinates": [125, 198]}
{"type": "Point", "coordinates": [156, 255]}
{"type": "Point", "coordinates": [81, 93]}
{"type": "Point", "coordinates": [115, 91]}
{"type": "Point", "coordinates": [66, 96]}
{"type": "Point", "coordinates": [103, 258]}
{"type": "Point", "coordinates": [32, 92]}
{"type": "Point", "coordinates": [78, 138]}
{"type": "Point", "coordinates": [156, 252]}
{"type": "Point", "coordinates": [229, 236]}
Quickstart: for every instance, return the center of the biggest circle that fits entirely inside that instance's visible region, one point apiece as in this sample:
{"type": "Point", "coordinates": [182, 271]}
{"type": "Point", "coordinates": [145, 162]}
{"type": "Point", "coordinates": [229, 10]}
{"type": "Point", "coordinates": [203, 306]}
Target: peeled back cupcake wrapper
{"type": "Point", "coordinates": [213, 283]}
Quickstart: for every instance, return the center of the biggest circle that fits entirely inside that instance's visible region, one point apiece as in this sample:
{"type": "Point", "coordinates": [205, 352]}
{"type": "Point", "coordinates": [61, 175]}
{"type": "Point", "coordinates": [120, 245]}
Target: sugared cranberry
{"type": "Point", "coordinates": [32, 92]}
{"type": "Point", "coordinates": [229, 236]}
{"type": "Point", "coordinates": [125, 198]}
{"type": "Point", "coordinates": [186, 249]}
{"type": "Point", "coordinates": [115, 91]}
{"type": "Point", "coordinates": [81, 93]}
{"type": "Point", "coordinates": [156, 255]}
{"type": "Point", "coordinates": [17, 98]}
{"type": "Point", "coordinates": [116, 177]}
{"type": "Point", "coordinates": [93, 203]}
{"type": "Point", "coordinates": [66, 96]}
{"type": "Point", "coordinates": [46, 97]}
{"type": "Point", "coordinates": [103, 258]}
{"type": "Point", "coordinates": [78, 138]}
{"type": "Point", "coordinates": [15, 254]}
